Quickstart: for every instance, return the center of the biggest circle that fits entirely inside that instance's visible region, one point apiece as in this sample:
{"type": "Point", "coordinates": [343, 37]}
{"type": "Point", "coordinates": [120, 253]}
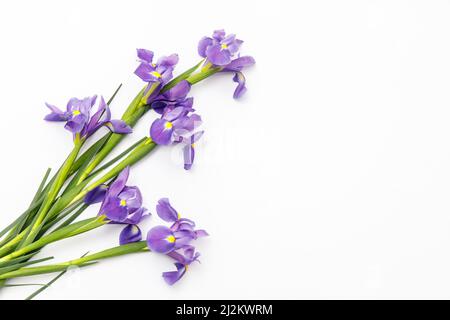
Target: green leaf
{"type": "Point", "coordinates": [22, 264]}
{"type": "Point", "coordinates": [114, 95]}
{"type": "Point", "coordinates": [120, 156]}
{"type": "Point", "coordinates": [19, 222]}
{"type": "Point", "coordinates": [181, 77]}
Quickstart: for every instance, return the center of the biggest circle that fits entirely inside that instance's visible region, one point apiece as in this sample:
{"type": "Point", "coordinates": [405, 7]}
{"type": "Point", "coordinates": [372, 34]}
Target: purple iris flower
{"type": "Point", "coordinates": [79, 120]}
{"type": "Point", "coordinates": [163, 239]}
{"type": "Point", "coordinates": [182, 262]}
{"type": "Point", "coordinates": [174, 124]}
{"type": "Point", "coordinates": [220, 51]}
{"type": "Point", "coordinates": [121, 204]}
{"type": "Point", "coordinates": [172, 98]}
{"type": "Point", "coordinates": [151, 72]}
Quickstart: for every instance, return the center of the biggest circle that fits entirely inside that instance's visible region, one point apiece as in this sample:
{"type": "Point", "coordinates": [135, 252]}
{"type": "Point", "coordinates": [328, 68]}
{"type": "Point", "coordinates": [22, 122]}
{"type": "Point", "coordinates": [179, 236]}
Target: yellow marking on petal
{"type": "Point", "coordinates": [178, 216]}
{"type": "Point", "coordinates": [186, 267]}
{"type": "Point", "coordinates": [168, 125]}
{"type": "Point", "coordinates": [76, 112]}
{"type": "Point", "coordinates": [193, 145]}
{"type": "Point", "coordinates": [224, 46]}
{"type": "Point", "coordinates": [170, 239]}
{"type": "Point", "coordinates": [156, 74]}
{"type": "Point", "coordinates": [134, 229]}
{"type": "Point", "coordinates": [123, 203]}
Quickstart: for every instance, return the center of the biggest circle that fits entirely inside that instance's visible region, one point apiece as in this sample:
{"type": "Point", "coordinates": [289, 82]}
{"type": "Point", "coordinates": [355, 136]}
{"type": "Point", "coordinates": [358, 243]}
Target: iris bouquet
{"type": "Point", "coordinates": [86, 178]}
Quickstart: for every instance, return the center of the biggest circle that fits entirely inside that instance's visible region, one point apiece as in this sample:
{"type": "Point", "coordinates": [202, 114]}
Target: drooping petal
{"type": "Point", "coordinates": [240, 89]}
{"type": "Point", "coordinates": [189, 155]}
{"type": "Point", "coordinates": [161, 239]}
{"type": "Point", "coordinates": [165, 211]}
{"type": "Point", "coordinates": [118, 184]}
{"type": "Point", "coordinates": [96, 195]}
{"type": "Point", "coordinates": [137, 216]}
{"type": "Point", "coordinates": [161, 131]}
{"type": "Point", "coordinates": [240, 63]}
{"type": "Point", "coordinates": [131, 233]}
{"type": "Point", "coordinates": [172, 277]}
{"type": "Point", "coordinates": [145, 55]}
{"type": "Point", "coordinates": [119, 126]}
{"type": "Point", "coordinates": [203, 44]}
{"type": "Point", "coordinates": [217, 56]}
{"type": "Point", "coordinates": [56, 114]}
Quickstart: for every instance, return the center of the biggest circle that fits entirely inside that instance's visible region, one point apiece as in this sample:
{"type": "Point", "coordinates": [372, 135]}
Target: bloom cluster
{"type": "Point", "coordinates": [221, 50]}
{"type": "Point", "coordinates": [85, 178]}
{"type": "Point", "coordinates": [122, 204]}
{"type": "Point", "coordinates": [174, 241]}
{"type": "Point", "coordinates": [79, 120]}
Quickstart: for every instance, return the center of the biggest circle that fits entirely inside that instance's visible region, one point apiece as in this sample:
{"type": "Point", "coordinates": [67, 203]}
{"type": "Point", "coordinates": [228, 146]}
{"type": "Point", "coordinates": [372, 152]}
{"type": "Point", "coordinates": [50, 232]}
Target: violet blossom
{"type": "Point", "coordinates": [174, 124]}
{"type": "Point", "coordinates": [222, 51]}
{"type": "Point", "coordinates": [154, 73]}
{"type": "Point", "coordinates": [79, 120]}
{"type": "Point", "coordinates": [174, 241]}
{"type": "Point", "coordinates": [172, 98]}
{"type": "Point", "coordinates": [121, 204]}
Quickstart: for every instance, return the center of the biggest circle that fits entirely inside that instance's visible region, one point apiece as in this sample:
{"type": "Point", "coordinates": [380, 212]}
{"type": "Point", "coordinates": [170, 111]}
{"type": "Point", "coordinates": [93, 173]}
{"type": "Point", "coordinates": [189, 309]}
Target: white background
{"type": "Point", "coordinates": [328, 179]}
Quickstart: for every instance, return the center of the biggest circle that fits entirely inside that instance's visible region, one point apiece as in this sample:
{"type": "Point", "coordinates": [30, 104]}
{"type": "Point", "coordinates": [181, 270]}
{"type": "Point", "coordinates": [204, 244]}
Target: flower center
{"type": "Point", "coordinates": [156, 74]}
{"type": "Point", "coordinates": [224, 46]}
{"type": "Point", "coordinates": [168, 125]}
{"type": "Point", "coordinates": [123, 203]}
{"type": "Point", "coordinates": [170, 239]}
{"type": "Point", "coordinates": [76, 112]}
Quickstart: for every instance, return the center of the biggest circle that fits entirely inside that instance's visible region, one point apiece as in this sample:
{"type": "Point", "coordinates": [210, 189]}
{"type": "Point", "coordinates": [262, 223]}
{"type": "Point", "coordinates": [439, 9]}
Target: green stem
{"type": "Point", "coordinates": [63, 233]}
{"type": "Point", "coordinates": [54, 190]}
{"type": "Point", "coordinates": [143, 149]}
{"type": "Point", "coordinates": [109, 253]}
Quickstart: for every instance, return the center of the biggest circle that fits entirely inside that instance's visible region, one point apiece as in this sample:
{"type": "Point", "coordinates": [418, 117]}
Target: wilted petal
{"type": "Point", "coordinates": [160, 239]}
{"type": "Point", "coordinates": [173, 276]}
{"type": "Point", "coordinates": [161, 131]}
{"type": "Point", "coordinates": [145, 55]}
{"type": "Point", "coordinates": [165, 211]}
{"type": "Point", "coordinates": [131, 233]}
{"type": "Point", "coordinates": [119, 126]}
{"type": "Point", "coordinates": [118, 184]}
